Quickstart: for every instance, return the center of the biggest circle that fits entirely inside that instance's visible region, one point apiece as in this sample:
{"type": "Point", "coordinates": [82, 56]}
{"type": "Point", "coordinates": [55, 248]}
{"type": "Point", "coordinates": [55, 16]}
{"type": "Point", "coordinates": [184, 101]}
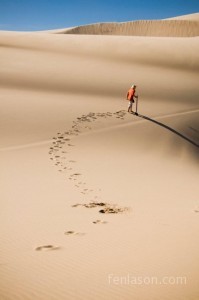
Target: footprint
{"type": "Point", "coordinates": [76, 174]}
{"type": "Point", "coordinates": [99, 222]}
{"type": "Point", "coordinates": [112, 210]}
{"type": "Point", "coordinates": [107, 211]}
{"type": "Point", "coordinates": [94, 204]}
{"type": "Point", "coordinates": [47, 248]}
{"type": "Point", "coordinates": [70, 232]}
{"type": "Point", "coordinates": [90, 205]}
{"type": "Point", "coordinates": [76, 205]}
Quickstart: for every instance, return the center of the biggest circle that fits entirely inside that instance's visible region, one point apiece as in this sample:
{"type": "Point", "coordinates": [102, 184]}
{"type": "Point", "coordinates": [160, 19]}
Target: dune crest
{"type": "Point", "coordinates": [156, 28]}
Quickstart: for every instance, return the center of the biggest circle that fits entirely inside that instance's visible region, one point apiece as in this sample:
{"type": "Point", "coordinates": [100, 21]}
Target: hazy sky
{"type": "Point", "coordinates": [51, 14]}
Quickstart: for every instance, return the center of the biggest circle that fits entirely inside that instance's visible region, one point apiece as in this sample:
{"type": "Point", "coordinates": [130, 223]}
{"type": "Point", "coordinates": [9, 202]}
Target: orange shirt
{"type": "Point", "coordinates": [130, 94]}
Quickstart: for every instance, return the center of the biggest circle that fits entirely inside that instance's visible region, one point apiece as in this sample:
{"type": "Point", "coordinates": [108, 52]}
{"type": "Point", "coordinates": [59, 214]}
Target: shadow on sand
{"type": "Point", "coordinates": [168, 128]}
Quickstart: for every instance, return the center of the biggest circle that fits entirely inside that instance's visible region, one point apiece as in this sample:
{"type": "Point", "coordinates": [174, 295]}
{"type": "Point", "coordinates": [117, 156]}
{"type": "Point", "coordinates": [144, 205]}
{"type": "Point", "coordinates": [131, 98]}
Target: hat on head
{"type": "Point", "coordinates": [133, 86]}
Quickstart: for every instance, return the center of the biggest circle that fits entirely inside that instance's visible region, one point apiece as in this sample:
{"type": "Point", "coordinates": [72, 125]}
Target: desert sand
{"type": "Point", "coordinates": [95, 201]}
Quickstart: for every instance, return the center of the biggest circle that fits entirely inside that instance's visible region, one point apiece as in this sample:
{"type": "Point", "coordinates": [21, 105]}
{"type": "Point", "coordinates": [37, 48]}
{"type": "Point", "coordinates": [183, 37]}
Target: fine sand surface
{"type": "Point", "coordinates": [97, 203]}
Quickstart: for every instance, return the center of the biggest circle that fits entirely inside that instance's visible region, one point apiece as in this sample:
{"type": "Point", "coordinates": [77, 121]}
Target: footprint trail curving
{"type": "Point", "coordinates": [60, 154]}
{"type": "Point", "coordinates": [63, 143]}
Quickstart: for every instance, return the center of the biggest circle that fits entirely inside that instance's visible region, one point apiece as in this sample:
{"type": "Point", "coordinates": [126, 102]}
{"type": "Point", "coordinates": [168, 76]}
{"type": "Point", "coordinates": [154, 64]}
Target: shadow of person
{"type": "Point", "coordinates": [167, 127]}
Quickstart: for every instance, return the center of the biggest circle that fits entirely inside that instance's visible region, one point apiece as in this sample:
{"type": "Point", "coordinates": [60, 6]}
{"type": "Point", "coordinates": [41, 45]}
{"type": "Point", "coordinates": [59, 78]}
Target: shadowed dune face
{"type": "Point", "coordinates": [163, 28]}
{"type": "Point", "coordinates": [101, 65]}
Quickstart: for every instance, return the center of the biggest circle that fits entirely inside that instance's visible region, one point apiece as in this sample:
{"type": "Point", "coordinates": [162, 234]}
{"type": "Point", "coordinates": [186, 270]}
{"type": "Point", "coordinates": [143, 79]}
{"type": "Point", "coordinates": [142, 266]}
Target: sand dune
{"type": "Point", "coordinates": [92, 196]}
{"type": "Point", "coordinates": [184, 27]}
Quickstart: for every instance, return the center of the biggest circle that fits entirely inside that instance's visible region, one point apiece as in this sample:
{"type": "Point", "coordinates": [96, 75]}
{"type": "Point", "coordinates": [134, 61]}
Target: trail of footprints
{"type": "Point", "coordinates": [63, 144]}
{"type": "Point", "coordinates": [60, 151]}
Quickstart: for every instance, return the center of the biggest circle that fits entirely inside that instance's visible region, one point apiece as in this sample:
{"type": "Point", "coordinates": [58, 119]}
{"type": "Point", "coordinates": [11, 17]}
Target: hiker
{"type": "Point", "coordinates": [130, 96]}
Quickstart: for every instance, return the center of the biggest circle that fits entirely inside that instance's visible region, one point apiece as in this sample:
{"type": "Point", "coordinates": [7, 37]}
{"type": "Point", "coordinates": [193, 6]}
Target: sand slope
{"type": "Point", "coordinates": [190, 17]}
{"type": "Point", "coordinates": [67, 142]}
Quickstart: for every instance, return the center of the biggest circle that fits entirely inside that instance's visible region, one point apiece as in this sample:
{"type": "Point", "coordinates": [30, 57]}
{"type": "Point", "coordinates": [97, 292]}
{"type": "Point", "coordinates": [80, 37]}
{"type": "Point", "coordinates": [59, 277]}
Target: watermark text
{"type": "Point", "coordinates": [130, 279]}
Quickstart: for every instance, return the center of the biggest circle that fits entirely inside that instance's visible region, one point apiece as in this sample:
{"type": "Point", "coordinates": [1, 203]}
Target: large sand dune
{"type": "Point", "coordinates": [70, 149]}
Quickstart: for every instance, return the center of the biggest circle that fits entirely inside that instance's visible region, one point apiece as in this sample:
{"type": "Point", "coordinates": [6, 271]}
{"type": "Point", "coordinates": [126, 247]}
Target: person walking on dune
{"type": "Point", "coordinates": [130, 96]}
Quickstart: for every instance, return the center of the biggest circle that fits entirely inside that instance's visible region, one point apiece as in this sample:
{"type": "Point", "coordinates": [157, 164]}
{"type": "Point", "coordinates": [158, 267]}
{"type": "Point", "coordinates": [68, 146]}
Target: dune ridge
{"type": "Point", "coordinates": [155, 28]}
